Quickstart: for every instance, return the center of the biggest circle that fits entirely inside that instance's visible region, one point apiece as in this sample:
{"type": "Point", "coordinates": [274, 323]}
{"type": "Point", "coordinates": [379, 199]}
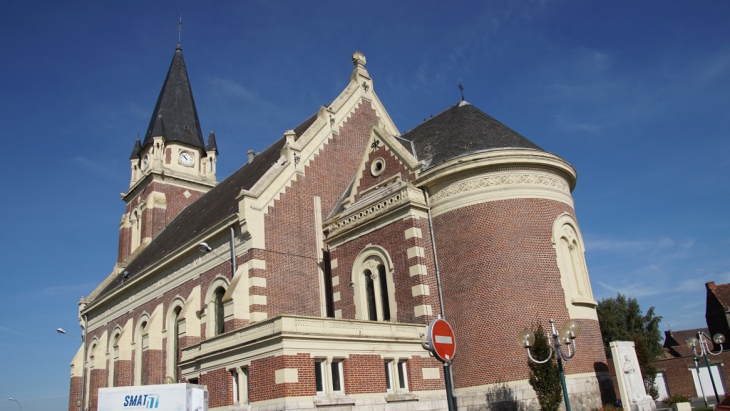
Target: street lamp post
{"type": "Point", "coordinates": [701, 342]}
{"type": "Point", "coordinates": [568, 332]}
{"type": "Point", "coordinates": [80, 402]}
{"type": "Point", "coordinates": [12, 399]}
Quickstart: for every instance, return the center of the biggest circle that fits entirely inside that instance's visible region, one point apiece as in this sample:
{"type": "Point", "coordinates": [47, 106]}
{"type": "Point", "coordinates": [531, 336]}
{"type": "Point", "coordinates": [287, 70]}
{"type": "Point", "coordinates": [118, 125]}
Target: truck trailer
{"type": "Point", "coordinates": [164, 397]}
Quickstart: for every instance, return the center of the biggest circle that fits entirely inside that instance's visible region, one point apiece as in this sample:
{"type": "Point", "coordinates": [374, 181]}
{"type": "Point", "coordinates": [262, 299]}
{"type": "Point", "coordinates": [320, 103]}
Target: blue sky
{"type": "Point", "coordinates": [633, 94]}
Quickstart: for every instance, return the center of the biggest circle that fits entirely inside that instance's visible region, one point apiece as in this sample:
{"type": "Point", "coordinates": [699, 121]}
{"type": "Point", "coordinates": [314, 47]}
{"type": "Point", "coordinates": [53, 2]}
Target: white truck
{"type": "Point", "coordinates": [165, 397]}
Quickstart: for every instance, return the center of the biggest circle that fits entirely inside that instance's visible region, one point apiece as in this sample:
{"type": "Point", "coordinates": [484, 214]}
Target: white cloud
{"type": "Point", "coordinates": [106, 170]}
{"type": "Point", "coordinates": [68, 289]}
{"type": "Point", "coordinates": [634, 290]}
{"type": "Point", "coordinates": [633, 246]}
{"type": "Point", "coordinates": [11, 331]}
{"type": "Point", "coordinates": [232, 88]}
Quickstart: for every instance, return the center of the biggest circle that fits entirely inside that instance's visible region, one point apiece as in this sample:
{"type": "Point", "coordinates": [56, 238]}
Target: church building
{"type": "Point", "coordinates": [306, 279]}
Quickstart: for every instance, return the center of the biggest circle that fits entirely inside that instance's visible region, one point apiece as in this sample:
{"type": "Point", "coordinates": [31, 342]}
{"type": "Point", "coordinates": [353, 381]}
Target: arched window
{"type": "Point", "coordinates": [216, 299]}
{"type": "Point", "coordinates": [141, 341]}
{"type": "Point", "coordinates": [136, 222]}
{"type": "Point", "coordinates": [569, 250]}
{"type": "Point", "coordinates": [113, 356]}
{"type": "Point", "coordinates": [374, 288]}
{"type": "Point", "coordinates": [219, 311]}
{"type": "Point", "coordinates": [173, 339]}
{"type": "Point", "coordinates": [90, 367]}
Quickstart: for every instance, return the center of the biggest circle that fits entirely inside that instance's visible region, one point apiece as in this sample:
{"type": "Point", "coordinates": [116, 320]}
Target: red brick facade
{"type": "Point", "coordinates": [502, 251]}
{"type": "Point", "coordinates": [220, 387]}
{"type": "Point", "coordinates": [74, 394]}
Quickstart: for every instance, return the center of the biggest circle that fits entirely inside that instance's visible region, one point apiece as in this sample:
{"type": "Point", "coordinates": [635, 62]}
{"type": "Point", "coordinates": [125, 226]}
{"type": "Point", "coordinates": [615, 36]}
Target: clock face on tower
{"type": "Point", "coordinates": [145, 162]}
{"type": "Point", "coordinates": [186, 158]}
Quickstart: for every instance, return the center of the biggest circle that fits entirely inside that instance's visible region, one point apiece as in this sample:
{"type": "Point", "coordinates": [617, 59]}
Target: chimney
{"type": "Point", "coordinates": [251, 155]}
{"type": "Point", "coordinates": [710, 286]}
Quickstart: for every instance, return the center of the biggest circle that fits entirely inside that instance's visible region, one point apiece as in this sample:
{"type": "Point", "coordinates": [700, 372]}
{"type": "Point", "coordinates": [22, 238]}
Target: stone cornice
{"type": "Point", "coordinates": [303, 329]}
{"type": "Point", "coordinates": [378, 205]}
{"type": "Point", "coordinates": [153, 176]}
{"type": "Point", "coordinates": [498, 158]}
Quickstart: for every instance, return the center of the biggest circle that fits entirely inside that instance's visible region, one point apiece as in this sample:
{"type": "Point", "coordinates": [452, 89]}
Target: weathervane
{"type": "Point", "coordinates": [179, 30]}
{"type": "Point", "coordinates": [462, 91]}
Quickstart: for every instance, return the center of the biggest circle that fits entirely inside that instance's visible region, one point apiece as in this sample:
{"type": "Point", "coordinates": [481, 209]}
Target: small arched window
{"type": "Point", "coordinates": [219, 311]}
{"type": "Point", "coordinates": [136, 223]}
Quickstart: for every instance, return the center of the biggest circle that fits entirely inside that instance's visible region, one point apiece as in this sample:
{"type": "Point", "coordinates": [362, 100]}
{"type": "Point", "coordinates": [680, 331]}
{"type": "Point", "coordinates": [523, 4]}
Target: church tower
{"type": "Point", "coordinates": [170, 168]}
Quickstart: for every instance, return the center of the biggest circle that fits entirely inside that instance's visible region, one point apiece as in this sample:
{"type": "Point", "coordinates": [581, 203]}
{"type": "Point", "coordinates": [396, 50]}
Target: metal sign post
{"type": "Point", "coordinates": [440, 341]}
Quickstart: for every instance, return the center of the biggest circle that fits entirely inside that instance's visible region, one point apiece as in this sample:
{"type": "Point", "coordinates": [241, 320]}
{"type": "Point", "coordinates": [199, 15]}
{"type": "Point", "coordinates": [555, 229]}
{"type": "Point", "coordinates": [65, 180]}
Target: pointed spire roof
{"type": "Point", "coordinates": [460, 130]}
{"type": "Point", "coordinates": [175, 117]}
{"type": "Point", "coordinates": [211, 146]}
{"type": "Point", "coordinates": [135, 150]}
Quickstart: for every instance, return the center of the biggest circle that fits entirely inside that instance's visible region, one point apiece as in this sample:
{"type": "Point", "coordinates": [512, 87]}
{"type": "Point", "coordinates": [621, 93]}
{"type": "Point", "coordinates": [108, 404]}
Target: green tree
{"type": "Point", "coordinates": [621, 319]}
{"type": "Point", "coordinates": [545, 378]}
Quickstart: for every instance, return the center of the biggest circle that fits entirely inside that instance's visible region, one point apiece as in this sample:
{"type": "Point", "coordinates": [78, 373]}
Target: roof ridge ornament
{"type": "Point", "coordinates": [359, 60]}
{"type": "Point", "coordinates": [462, 91]}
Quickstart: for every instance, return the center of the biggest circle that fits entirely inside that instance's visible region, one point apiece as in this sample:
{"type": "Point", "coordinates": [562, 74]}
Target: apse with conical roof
{"type": "Point", "coordinates": [460, 130]}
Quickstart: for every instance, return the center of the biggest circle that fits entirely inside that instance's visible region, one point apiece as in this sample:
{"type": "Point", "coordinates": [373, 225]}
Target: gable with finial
{"type": "Point", "coordinates": [386, 159]}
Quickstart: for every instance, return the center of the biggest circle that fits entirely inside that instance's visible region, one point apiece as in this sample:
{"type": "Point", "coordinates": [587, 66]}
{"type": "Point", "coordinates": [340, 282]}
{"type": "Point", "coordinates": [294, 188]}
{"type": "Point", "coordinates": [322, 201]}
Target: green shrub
{"type": "Point", "coordinates": [545, 378]}
{"type": "Point", "coordinates": [675, 398]}
{"type": "Point", "coordinates": [608, 408]}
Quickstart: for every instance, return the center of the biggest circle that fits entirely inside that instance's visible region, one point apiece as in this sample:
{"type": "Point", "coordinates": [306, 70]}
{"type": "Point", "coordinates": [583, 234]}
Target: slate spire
{"type": "Point", "coordinates": [135, 150]}
{"type": "Point", "coordinates": [211, 146]}
{"type": "Point", "coordinates": [175, 117]}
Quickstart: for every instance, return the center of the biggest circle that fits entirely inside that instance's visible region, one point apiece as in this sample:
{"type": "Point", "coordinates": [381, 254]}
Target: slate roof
{"type": "Point", "coordinates": [135, 150]}
{"type": "Point", "coordinates": [213, 207]}
{"type": "Point", "coordinates": [211, 145]}
{"type": "Point", "coordinates": [460, 130]}
{"type": "Point", "coordinates": [175, 117]}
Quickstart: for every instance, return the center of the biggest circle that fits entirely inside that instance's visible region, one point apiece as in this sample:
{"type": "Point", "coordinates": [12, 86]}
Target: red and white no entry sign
{"type": "Point", "coordinates": [441, 340]}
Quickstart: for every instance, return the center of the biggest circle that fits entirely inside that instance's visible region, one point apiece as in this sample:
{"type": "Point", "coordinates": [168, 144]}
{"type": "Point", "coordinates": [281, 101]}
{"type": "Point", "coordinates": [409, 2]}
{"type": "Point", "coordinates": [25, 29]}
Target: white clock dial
{"type": "Point", "coordinates": [145, 162]}
{"type": "Point", "coordinates": [186, 158]}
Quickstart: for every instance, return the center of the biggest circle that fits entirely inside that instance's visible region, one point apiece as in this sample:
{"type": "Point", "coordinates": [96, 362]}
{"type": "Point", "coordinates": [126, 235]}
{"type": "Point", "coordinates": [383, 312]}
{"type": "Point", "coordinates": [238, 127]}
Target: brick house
{"type": "Point", "coordinates": [321, 257]}
{"type": "Point", "coordinates": [677, 371]}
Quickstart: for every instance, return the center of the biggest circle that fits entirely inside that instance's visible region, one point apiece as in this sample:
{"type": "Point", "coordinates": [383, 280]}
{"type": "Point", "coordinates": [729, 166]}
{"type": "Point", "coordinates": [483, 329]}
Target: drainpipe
{"type": "Point", "coordinates": [448, 367]}
{"type": "Point", "coordinates": [435, 255]}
